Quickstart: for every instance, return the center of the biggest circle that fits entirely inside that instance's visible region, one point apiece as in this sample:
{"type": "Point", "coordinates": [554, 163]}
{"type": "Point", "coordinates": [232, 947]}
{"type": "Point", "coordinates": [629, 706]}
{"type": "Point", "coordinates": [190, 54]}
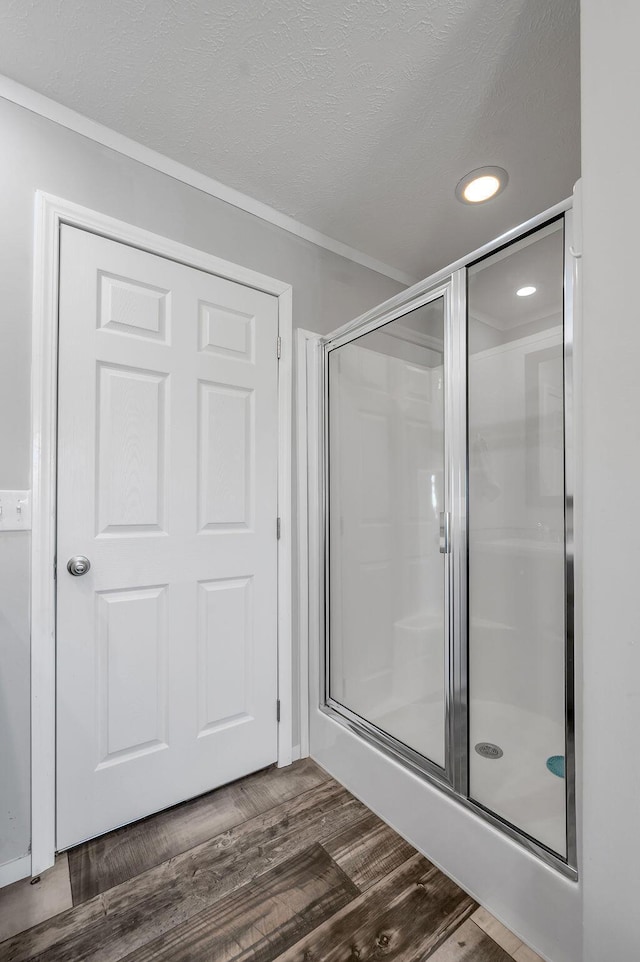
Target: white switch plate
{"type": "Point", "coordinates": [15, 510]}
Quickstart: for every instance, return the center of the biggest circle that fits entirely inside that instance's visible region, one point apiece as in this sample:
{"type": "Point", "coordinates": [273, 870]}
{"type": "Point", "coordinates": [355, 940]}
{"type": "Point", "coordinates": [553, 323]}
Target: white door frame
{"type": "Point", "coordinates": [50, 213]}
{"type": "Point", "coordinates": [303, 432]}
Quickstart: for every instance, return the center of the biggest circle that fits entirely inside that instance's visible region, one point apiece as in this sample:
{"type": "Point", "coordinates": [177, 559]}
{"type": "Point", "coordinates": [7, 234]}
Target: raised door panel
{"type": "Point", "coordinates": [226, 332]}
{"type": "Point", "coordinates": [131, 431]}
{"type": "Point", "coordinates": [132, 673]}
{"type": "Point", "coordinates": [225, 653]}
{"type": "Point", "coordinates": [226, 452]}
{"type": "Point", "coordinates": [133, 308]}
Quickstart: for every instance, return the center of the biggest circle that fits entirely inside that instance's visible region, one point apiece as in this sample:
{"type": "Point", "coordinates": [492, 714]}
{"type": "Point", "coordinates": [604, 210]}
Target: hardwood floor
{"type": "Point", "coordinates": [283, 865]}
{"type": "Point", "coordinates": [106, 861]}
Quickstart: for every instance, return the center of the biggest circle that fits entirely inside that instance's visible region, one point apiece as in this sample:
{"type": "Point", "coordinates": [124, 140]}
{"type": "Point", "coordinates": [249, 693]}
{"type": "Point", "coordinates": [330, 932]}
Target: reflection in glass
{"type": "Point", "coordinates": [386, 487]}
{"type": "Point", "coordinates": [516, 535]}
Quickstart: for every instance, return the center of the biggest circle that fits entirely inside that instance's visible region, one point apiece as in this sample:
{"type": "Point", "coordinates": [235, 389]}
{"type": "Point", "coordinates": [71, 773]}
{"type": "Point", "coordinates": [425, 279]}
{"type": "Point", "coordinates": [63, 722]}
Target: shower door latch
{"type": "Point", "coordinates": [445, 540]}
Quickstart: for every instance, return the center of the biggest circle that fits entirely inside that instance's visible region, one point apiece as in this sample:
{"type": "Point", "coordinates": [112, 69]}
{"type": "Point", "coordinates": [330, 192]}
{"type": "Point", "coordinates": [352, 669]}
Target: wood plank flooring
{"type": "Point", "coordinates": [282, 866]}
{"type": "Point", "coordinates": [121, 855]}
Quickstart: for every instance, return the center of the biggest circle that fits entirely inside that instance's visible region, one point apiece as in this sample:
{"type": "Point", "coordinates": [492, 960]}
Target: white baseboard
{"type": "Point", "coordinates": [13, 871]}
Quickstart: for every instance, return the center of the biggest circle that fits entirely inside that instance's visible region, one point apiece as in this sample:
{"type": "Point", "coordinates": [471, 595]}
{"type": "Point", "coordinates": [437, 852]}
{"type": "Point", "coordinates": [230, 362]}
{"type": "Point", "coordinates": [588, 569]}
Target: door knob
{"type": "Point", "coordinates": [78, 565]}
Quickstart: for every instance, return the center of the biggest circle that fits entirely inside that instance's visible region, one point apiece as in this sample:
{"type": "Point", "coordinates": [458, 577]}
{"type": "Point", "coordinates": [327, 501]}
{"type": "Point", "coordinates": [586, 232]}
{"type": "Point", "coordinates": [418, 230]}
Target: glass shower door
{"type": "Point", "coordinates": [445, 484]}
{"type": "Point", "coordinates": [517, 590]}
{"type": "Point", "coordinates": [388, 621]}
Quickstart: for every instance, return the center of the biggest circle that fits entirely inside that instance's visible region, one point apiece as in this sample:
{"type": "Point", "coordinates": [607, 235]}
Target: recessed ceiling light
{"type": "Point", "coordinates": [481, 185]}
{"type": "Point", "coordinates": [526, 291]}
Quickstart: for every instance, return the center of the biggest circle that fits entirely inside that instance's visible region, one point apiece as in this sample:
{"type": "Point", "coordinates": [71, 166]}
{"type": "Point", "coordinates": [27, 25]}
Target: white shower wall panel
{"type": "Point", "coordinates": [516, 582]}
{"type": "Point", "coordinates": [387, 579]}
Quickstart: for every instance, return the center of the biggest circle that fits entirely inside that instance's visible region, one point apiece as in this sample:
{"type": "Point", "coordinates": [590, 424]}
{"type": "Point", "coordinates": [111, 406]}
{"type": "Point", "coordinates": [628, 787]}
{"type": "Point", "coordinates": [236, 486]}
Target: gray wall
{"type": "Point", "coordinates": [328, 290]}
{"type": "Point", "coordinates": [611, 476]}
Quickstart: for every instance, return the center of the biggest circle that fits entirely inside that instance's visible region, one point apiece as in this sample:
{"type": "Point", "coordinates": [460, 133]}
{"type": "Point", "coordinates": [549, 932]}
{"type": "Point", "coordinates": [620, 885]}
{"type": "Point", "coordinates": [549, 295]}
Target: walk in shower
{"type": "Point", "coordinates": [447, 636]}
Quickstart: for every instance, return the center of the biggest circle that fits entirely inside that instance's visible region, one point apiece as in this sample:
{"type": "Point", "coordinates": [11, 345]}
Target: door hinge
{"type": "Point", "coordinates": [278, 710]}
{"type": "Point", "coordinates": [278, 526]}
{"type": "Point", "coordinates": [279, 347]}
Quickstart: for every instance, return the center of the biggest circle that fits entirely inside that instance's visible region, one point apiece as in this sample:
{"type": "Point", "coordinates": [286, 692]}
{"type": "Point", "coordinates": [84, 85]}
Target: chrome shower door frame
{"type": "Point", "coordinates": [452, 291]}
{"type": "Point", "coordinates": [452, 779]}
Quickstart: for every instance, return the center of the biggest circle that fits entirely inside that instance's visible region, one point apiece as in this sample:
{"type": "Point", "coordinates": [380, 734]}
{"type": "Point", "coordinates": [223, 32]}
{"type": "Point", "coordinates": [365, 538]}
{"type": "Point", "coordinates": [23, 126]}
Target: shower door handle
{"type": "Point", "coordinates": [445, 541]}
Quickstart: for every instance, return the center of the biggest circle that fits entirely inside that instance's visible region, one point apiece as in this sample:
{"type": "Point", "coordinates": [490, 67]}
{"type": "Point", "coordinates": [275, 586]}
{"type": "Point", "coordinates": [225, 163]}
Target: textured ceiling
{"type": "Point", "coordinates": [357, 117]}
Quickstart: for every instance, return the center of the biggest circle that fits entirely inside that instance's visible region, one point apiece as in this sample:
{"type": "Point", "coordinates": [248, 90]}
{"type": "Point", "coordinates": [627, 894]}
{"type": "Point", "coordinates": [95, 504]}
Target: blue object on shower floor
{"type": "Point", "coordinates": [555, 764]}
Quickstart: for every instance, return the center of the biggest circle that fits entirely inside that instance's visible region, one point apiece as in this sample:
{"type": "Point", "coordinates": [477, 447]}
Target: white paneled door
{"type": "Point", "coordinates": [167, 483]}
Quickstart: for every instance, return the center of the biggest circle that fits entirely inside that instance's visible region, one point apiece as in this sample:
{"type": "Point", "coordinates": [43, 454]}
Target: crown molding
{"type": "Point", "coordinates": [46, 107]}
